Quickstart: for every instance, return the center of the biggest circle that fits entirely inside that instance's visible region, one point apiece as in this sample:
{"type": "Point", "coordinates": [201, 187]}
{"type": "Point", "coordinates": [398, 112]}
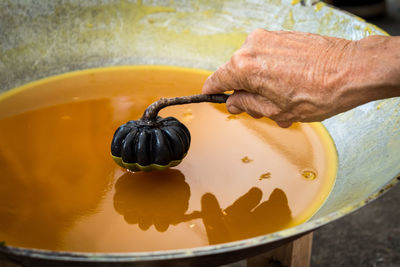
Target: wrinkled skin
{"type": "Point", "coordinates": [295, 76]}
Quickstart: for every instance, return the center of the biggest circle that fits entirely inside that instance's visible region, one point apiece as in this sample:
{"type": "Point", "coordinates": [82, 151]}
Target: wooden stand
{"type": "Point", "coordinates": [7, 264]}
{"type": "Point", "coordinates": [294, 254]}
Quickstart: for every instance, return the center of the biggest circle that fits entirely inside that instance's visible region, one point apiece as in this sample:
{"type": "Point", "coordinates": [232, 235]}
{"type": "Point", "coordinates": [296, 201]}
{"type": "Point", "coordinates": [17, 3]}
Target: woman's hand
{"type": "Point", "coordinates": [295, 76]}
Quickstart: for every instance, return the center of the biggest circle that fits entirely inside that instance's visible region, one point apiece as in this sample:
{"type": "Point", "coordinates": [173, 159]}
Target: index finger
{"type": "Point", "coordinates": [220, 81]}
{"type": "Point", "coordinates": [246, 203]}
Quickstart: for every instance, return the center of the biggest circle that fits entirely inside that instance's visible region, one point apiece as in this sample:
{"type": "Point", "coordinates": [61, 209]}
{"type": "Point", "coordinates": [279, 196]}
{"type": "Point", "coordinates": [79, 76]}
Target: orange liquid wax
{"type": "Point", "coordinates": [61, 190]}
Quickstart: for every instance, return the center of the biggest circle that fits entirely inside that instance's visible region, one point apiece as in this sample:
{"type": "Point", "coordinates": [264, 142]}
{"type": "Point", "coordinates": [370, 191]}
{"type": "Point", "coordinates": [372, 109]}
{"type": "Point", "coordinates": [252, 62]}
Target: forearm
{"type": "Point", "coordinates": [295, 76]}
{"type": "Point", "coordinates": [375, 71]}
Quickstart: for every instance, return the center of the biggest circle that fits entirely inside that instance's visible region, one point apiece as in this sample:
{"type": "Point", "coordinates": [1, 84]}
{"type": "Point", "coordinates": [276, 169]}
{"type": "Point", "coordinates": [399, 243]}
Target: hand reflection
{"type": "Point", "coordinates": [246, 217]}
{"type": "Point", "coordinates": [158, 197]}
{"type": "Point", "coordinates": [162, 198]}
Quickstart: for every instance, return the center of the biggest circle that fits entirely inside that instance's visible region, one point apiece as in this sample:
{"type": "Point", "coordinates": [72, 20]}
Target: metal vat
{"type": "Point", "coordinates": [43, 38]}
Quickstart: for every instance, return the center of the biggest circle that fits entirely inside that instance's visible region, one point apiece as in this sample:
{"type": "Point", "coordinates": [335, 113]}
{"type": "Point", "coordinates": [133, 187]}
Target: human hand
{"type": "Point", "coordinates": [247, 217]}
{"type": "Point", "coordinates": [292, 76]}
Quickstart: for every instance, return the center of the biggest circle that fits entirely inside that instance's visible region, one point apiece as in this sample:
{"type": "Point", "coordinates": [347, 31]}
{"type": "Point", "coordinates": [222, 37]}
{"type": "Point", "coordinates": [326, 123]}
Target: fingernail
{"type": "Point", "coordinates": [233, 109]}
{"type": "Point", "coordinates": [256, 116]}
{"type": "Point", "coordinates": [284, 124]}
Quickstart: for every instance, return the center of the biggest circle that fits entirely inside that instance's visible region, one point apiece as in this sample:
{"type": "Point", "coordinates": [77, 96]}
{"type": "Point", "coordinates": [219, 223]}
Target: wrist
{"type": "Point", "coordinates": [379, 66]}
{"type": "Point", "coordinates": [372, 71]}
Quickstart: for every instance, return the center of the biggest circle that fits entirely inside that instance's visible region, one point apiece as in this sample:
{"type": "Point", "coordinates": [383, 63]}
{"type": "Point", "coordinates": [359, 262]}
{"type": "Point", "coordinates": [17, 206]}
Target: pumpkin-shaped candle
{"type": "Point", "coordinates": [155, 143]}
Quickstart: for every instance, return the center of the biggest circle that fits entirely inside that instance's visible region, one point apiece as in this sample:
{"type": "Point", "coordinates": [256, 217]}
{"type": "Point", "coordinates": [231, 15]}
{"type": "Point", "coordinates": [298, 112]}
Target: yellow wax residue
{"type": "Point", "coordinates": [231, 117]}
{"type": "Point", "coordinates": [327, 17]}
{"type": "Point", "coordinates": [130, 22]}
{"type": "Point", "coordinates": [359, 19]}
{"type": "Point", "coordinates": [295, 2]}
{"type": "Point", "coordinates": [368, 30]}
{"type": "Point", "coordinates": [309, 175]}
{"type": "Point", "coordinates": [246, 159]}
{"type": "Point", "coordinates": [188, 116]}
{"type": "Point", "coordinates": [263, 176]}
{"type": "Point", "coordinates": [319, 6]}
{"type": "Point", "coordinates": [289, 21]}
{"type": "Point", "coordinates": [59, 182]}
{"type": "Point", "coordinates": [209, 13]}
{"type": "Point", "coordinates": [379, 29]}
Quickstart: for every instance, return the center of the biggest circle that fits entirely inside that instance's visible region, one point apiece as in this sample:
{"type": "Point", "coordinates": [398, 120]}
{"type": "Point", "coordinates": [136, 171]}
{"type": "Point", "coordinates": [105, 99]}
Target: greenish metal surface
{"type": "Point", "coordinates": [43, 38]}
{"type": "Point", "coordinates": [150, 167]}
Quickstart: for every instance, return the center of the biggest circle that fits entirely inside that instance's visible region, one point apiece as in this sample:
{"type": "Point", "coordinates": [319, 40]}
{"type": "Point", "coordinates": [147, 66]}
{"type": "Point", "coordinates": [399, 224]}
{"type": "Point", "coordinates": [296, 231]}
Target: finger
{"type": "Point", "coordinates": [213, 220]}
{"type": "Point", "coordinates": [254, 104]}
{"type": "Point", "coordinates": [284, 124]}
{"type": "Point", "coordinates": [210, 206]}
{"type": "Point", "coordinates": [256, 116]}
{"type": "Point", "coordinates": [245, 203]}
{"type": "Point", "coordinates": [233, 109]}
{"type": "Point", "coordinates": [220, 81]}
{"type": "Point", "coordinates": [277, 202]}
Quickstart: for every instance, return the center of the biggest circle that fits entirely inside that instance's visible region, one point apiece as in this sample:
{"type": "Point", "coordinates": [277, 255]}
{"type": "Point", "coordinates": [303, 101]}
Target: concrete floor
{"type": "Point", "coordinates": [370, 236]}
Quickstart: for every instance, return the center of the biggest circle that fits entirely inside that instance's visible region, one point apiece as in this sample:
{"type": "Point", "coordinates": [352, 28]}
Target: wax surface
{"type": "Point", "coordinates": [61, 190]}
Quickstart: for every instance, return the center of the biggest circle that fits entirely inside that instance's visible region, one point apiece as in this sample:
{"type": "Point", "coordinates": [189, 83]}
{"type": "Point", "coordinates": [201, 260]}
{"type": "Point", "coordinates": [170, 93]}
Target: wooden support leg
{"type": "Point", "coordinates": [8, 264]}
{"type": "Point", "coordinates": [293, 254]}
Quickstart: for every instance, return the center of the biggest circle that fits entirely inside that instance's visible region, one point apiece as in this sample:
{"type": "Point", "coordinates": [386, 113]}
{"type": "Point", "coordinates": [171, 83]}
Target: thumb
{"type": "Point", "coordinates": [220, 81]}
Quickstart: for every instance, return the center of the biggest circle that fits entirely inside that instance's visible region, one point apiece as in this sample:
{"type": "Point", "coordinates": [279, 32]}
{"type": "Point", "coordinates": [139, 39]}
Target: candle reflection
{"type": "Point", "coordinates": [162, 199]}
